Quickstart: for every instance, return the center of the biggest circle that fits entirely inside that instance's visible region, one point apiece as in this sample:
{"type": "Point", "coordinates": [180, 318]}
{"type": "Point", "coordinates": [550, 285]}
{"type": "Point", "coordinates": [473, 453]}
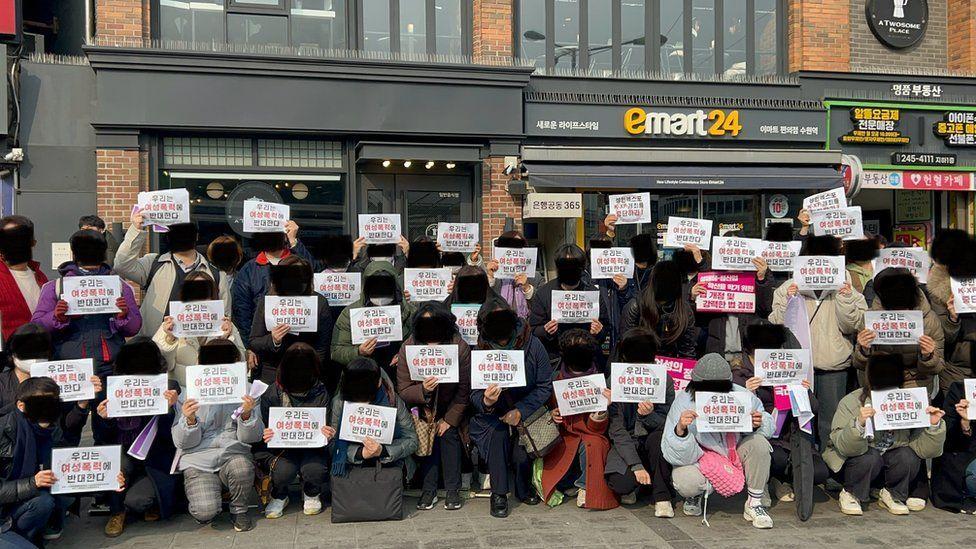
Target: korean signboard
{"type": "Point", "coordinates": [86, 469]}
{"type": "Point", "coordinates": [167, 207]}
{"type": "Point", "coordinates": [894, 327]}
{"type": "Point", "coordinates": [900, 409]}
{"type": "Point", "coordinates": [609, 262]}
{"type": "Point", "coordinates": [631, 208]}
{"type": "Point", "coordinates": [197, 318]}
{"type": "Point", "coordinates": [573, 307]}
{"type": "Point", "coordinates": [638, 382]}
{"type": "Point", "coordinates": [341, 289]}
{"type": "Point", "coordinates": [727, 293]}
{"type": "Point", "coordinates": [515, 261]}
{"type": "Point", "coordinates": [553, 205]}
{"type": "Point", "coordinates": [382, 323]}
{"type": "Point", "coordinates": [361, 421]}
{"type": "Point", "coordinates": [265, 217]}
{"type": "Point", "coordinates": [137, 395]}
{"type": "Point", "coordinates": [783, 366]}
{"type": "Point", "coordinates": [819, 272]}
{"type": "Point", "coordinates": [91, 295]}
{"type": "Point", "coordinates": [580, 395]}
{"type": "Point", "coordinates": [723, 412]}
{"type": "Point", "coordinates": [457, 237]}
{"type": "Point", "coordinates": [380, 228]}
{"type": "Point", "coordinates": [427, 284]}
{"type": "Point", "coordinates": [686, 230]}
{"type": "Point", "coordinates": [300, 313]}
{"type": "Point", "coordinates": [501, 367]}
{"type": "Point", "coordinates": [72, 376]}
{"type": "Point", "coordinates": [217, 383]}
{"type": "Point", "coordinates": [297, 427]}
{"type": "Point", "coordinates": [440, 361]}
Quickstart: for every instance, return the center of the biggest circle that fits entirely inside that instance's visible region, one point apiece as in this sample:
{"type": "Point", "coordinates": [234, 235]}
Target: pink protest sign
{"type": "Point", "coordinates": [679, 369]}
{"type": "Point", "coordinates": [781, 397]}
{"type": "Point", "coordinates": [727, 293]}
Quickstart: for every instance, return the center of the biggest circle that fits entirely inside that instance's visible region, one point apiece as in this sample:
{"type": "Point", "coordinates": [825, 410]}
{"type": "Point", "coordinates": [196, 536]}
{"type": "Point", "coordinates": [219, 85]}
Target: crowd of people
{"type": "Point", "coordinates": [205, 456]}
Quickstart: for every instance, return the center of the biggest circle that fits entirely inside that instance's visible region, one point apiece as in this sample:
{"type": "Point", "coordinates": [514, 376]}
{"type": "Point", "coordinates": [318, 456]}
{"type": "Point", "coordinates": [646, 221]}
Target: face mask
{"type": "Point", "coordinates": [569, 272]}
{"type": "Point", "coordinates": [380, 289]}
{"type": "Point", "coordinates": [24, 365]}
{"type": "Point", "coordinates": [16, 244]}
{"type": "Point", "coordinates": [182, 237]}
{"type": "Point", "coordinates": [431, 329]}
{"type": "Point", "coordinates": [471, 288]}
{"type": "Point", "coordinates": [387, 259]}
{"type": "Point", "coordinates": [500, 326]}
{"type": "Point", "coordinates": [381, 301]}
{"type": "Point", "coordinates": [42, 408]}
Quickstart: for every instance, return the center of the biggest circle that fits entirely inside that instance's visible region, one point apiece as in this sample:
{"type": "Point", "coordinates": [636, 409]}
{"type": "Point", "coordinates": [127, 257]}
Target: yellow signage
{"type": "Point", "coordinates": [715, 123]}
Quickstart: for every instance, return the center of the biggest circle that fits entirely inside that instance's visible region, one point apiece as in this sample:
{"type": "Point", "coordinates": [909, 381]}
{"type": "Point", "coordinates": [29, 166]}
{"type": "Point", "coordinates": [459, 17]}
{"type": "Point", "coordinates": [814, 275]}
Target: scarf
{"type": "Point", "coordinates": [515, 297]}
{"type": "Point", "coordinates": [31, 449]}
{"type": "Point", "coordinates": [341, 452]}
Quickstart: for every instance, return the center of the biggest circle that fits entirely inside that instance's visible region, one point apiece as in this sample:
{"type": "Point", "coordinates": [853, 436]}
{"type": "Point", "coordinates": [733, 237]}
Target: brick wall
{"type": "Point", "coordinates": [929, 55]}
{"type": "Point", "coordinates": [492, 32]}
{"type": "Point", "coordinates": [121, 174]}
{"type": "Point", "coordinates": [819, 35]}
{"type": "Point", "coordinates": [962, 36]}
{"type": "Point", "coordinates": [496, 204]}
{"type": "Point", "coordinates": [123, 21]}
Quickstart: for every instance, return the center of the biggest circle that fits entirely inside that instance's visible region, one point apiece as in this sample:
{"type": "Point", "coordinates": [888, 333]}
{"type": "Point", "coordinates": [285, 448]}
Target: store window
{"type": "Point", "coordinates": [567, 44]}
{"type": "Point", "coordinates": [319, 24]}
{"type": "Point", "coordinates": [703, 36]}
{"type": "Point", "coordinates": [599, 35]}
{"type": "Point", "coordinates": [632, 34]}
{"type": "Point", "coordinates": [735, 214]}
{"type": "Point", "coordinates": [449, 24]}
{"type": "Point", "coordinates": [532, 38]}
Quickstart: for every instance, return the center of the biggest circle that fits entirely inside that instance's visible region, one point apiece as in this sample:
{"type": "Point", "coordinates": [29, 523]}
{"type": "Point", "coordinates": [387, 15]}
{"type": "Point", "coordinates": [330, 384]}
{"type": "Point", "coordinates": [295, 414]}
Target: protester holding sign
{"type": "Point", "coordinates": [954, 472]}
{"type": "Point", "coordinates": [440, 406]}
{"type": "Point", "coordinates": [297, 385]}
{"type": "Point", "coordinates": [662, 307]}
{"type": "Point", "coordinates": [497, 409]}
{"type": "Point", "coordinates": [953, 259]}
{"type": "Point", "coordinates": [291, 277]}
{"type": "Point", "coordinates": [636, 430]}
{"type": "Point", "coordinates": [214, 451]}
{"type": "Point", "coordinates": [180, 351]}
{"type": "Point", "coordinates": [611, 270]}
{"type": "Point", "coordinates": [471, 286]}
{"type": "Point", "coordinates": [518, 290]}
{"type": "Point", "coordinates": [21, 277]}
{"type": "Point", "coordinates": [865, 456]}
{"type": "Point", "coordinates": [860, 255]}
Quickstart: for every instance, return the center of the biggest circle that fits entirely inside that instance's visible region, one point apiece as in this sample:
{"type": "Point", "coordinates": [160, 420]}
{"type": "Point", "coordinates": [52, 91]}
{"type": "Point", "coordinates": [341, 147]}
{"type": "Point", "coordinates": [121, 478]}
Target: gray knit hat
{"type": "Point", "coordinates": [712, 367]}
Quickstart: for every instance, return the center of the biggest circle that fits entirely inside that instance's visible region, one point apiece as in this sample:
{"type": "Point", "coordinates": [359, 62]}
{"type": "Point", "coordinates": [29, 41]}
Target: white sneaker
{"type": "Point", "coordinates": [275, 508]}
{"type": "Point", "coordinates": [312, 505]}
{"type": "Point", "coordinates": [886, 501]}
{"type": "Point", "coordinates": [849, 504]}
{"type": "Point", "coordinates": [692, 507]}
{"type": "Point", "coordinates": [663, 509]}
{"type": "Point", "coordinates": [758, 516]}
{"type": "Point", "coordinates": [629, 499]}
{"type": "Point", "coordinates": [915, 504]}
{"type": "Point", "coordinates": [581, 498]}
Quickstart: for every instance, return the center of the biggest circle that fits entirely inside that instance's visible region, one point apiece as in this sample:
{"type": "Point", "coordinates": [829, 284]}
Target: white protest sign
{"type": "Point", "coordinates": [631, 208]}
{"type": "Point", "coordinates": [457, 237]}
{"type": "Point", "coordinates": [137, 395]}
{"type": "Point", "coordinates": [515, 261]}
{"type": "Point", "coordinates": [723, 412]}
{"type": "Point", "coordinates": [845, 223]}
{"type": "Point", "coordinates": [361, 421]}
{"type": "Point", "coordinates": [467, 322]}
{"type": "Point", "coordinates": [60, 254]}
{"type": "Point", "coordinates": [382, 323]}
{"type": "Point", "coordinates": [501, 367]}
{"type": "Point", "coordinates": [216, 383]}
{"type": "Point", "coordinates": [265, 217]}
{"type": "Point", "coordinates": [969, 387]}
{"type": "Point", "coordinates": [574, 307]}
{"type": "Point", "coordinates": [779, 256]}
{"type": "Point", "coordinates": [380, 228]}
{"type": "Point", "coordinates": [167, 207]}
{"type": "Point", "coordinates": [916, 260]}
{"type": "Point", "coordinates": [686, 230]}
{"type": "Point", "coordinates": [197, 318]}
{"type": "Point", "coordinates": [86, 469]}
{"type": "Point", "coordinates": [300, 313]}
{"type": "Point", "coordinates": [828, 200]}
{"type": "Point", "coordinates": [900, 409]}
{"type": "Point", "coordinates": [638, 382]}
{"type": "Point", "coordinates": [894, 327]}
{"type": "Point", "coordinates": [553, 205]}
{"type": "Point", "coordinates": [730, 253]}
{"type": "Point", "coordinates": [297, 427]}
{"type": "Point", "coordinates": [580, 395]}
{"type": "Point", "coordinates": [819, 272]}
{"type": "Point", "coordinates": [72, 376]}
{"type": "Point", "coordinates": [726, 292]}
{"type": "Point", "coordinates": [609, 262]}
{"type": "Point", "coordinates": [427, 284]}
{"type": "Point", "coordinates": [440, 361]}
{"type": "Point", "coordinates": [783, 366]}
{"type": "Point", "coordinates": [341, 289]}
{"type": "Point", "coordinates": [964, 294]}
{"type": "Point", "coordinates": [91, 295]}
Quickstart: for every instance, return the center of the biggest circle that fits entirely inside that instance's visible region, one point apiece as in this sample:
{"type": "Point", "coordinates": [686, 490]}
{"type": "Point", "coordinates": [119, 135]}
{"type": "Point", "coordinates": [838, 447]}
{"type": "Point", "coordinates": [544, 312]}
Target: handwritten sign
{"type": "Point", "coordinates": [130, 396]}
{"type": "Point", "coordinates": [440, 361]}
{"type": "Point", "coordinates": [964, 294]}
{"type": "Point", "coordinates": [86, 469]}
{"type": "Point", "coordinates": [638, 382]}
{"type": "Point", "coordinates": [72, 376]}
{"type": "Point", "coordinates": [685, 230]}
{"type": "Point", "coordinates": [580, 395]}
{"type": "Point", "coordinates": [297, 427]}
{"type": "Point", "coordinates": [380, 228]}
{"type": "Point", "coordinates": [573, 307]}
{"type": "Point", "coordinates": [340, 289]}
{"type": "Point", "coordinates": [91, 295]}
{"type": "Point", "coordinates": [894, 327]}
{"type": "Point", "coordinates": [723, 412]}
{"type": "Point", "coordinates": [631, 208]}
{"type": "Point", "coordinates": [969, 386]}
{"type": "Point", "coordinates": [819, 272]}
{"type": "Point", "coordinates": [727, 293]}
{"type": "Point", "coordinates": [467, 322]}
{"type": "Point", "coordinates": [783, 366]}
{"type": "Point", "coordinates": [916, 260]}
{"type": "Point", "coordinates": [427, 284]}
{"type": "Point", "coordinates": [167, 207]}
{"type": "Point", "coordinates": [300, 313]}
{"type": "Point", "coordinates": [515, 261]}
{"type": "Point", "coordinates": [735, 254]}
{"type": "Point", "coordinates": [609, 262]}
{"type": "Point", "coordinates": [780, 256]}
{"type": "Point", "coordinates": [197, 318]}
{"type": "Point", "coordinates": [217, 383]}
{"type": "Point", "coordinates": [265, 217]}
{"type": "Point", "coordinates": [457, 237]}
{"type": "Point", "coordinates": [845, 223]}
{"type": "Point", "coordinates": [900, 409]}
{"type": "Point", "coordinates": [382, 323]}
{"type": "Point", "coordinates": [362, 421]}
{"type": "Point", "coordinates": [679, 370]}
{"type": "Point", "coordinates": [497, 367]}
{"type": "Point", "coordinates": [833, 199]}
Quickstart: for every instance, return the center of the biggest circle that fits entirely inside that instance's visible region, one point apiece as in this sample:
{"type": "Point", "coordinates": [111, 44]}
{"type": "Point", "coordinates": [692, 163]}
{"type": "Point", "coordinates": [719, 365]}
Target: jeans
{"type": "Point", "coordinates": [13, 540]}
{"type": "Point", "coordinates": [30, 517]}
{"type": "Point", "coordinates": [894, 470]}
{"type": "Point", "coordinates": [971, 479]}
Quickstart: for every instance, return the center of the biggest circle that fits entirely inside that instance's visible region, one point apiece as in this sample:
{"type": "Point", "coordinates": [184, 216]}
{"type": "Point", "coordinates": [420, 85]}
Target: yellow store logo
{"type": "Point", "coordinates": [715, 123]}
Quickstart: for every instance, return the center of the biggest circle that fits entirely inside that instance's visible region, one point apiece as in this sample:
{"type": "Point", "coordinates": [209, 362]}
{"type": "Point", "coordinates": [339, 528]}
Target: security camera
{"type": "Point", "coordinates": [510, 169]}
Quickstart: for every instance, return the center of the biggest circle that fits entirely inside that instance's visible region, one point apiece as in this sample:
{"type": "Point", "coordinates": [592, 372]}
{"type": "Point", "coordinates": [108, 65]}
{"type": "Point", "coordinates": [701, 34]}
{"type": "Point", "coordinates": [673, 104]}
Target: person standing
{"type": "Point", "coordinates": [21, 277]}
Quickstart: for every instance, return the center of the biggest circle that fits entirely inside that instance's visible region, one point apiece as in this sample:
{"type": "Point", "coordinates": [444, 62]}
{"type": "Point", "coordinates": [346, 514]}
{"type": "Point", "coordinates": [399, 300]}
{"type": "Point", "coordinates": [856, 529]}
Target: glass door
{"type": "Point", "coordinates": [421, 200]}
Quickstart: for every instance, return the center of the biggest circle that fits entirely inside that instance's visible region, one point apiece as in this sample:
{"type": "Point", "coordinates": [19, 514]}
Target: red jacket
{"type": "Point", "coordinates": [576, 429]}
{"type": "Point", "coordinates": [14, 312]}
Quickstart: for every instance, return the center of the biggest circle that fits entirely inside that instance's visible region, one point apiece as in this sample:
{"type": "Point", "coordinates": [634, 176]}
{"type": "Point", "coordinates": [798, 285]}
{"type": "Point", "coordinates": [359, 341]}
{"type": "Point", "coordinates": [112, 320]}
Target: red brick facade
{"type": "Point", "coordinates": [121, 175]}
{"type": "Point", "coordinates": [819, 35]}
{"type": "Point", "coordinates": [962, 36]}
{"type": "Point", "coordinates": [122, 21]}
{"type": "Point", "coordinates": [492, 32]}
{"type": "Point", "coordinates": [496, 204]}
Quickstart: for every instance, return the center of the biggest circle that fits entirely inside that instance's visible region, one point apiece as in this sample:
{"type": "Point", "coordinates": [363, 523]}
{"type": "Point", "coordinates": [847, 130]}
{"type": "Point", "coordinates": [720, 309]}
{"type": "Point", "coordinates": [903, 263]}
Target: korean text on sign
{"type": "Point", "coordinates": [362, 421]}
{"type": "Point", "coordinates": [86, 469]}
{"type": "Point", "coordinates": [580, 395]}
{"type": "Point", "coordinates": [136, 395]}
{"type": "Point", "coordinates": [779, 256]}
{"type": "Point", "coordinates": [819, 272]}
{"type": "Point", "coordinates": [467, 322]}
{"type": "Point", "coordinates": [457, 237]}
{"type": "Point", "coordinates": [727, 293]}
{"type": "Point", "coordinates": [72, 376]}
{"type": "Point", "coordinates": [197, 318]}
{"type": "Point", "coordinates": [609, 262]}
{"type": "Point", "coordinates": [900, 409]}
{"type": "Point", "coordinates": [631, 208]}
{"type": "Point", "coordinates": [440, 361]}
{"type": "Point", "coordinates": [265, 217]}
{"type": "Point", "coordinates": [894, 327]}
{"type": "Point", "coordinates": [87, 295]}
{"type": "Point", "coordinates": [380, 228]}
{"type": "Point", "coordinates": [723, 412]}
{"type": "Point", "coordinates": [685, 230]}
{"type": "Point", "coordinates": [916, 260]}
{"type": "Point", "coordinates": [638, 382]}
{"type": "Point", "coordinates": [515, 261]}
{"type": "Point", "coordinates": [828, 200]}
{"type": "Point", "coordinates": [845, 223]}
{"type": "Point", "coordinates": [427, 284]}
{"type": "Point", "coordinates": [300, 313]}
{"type": "Point", "coordinates": [382, 323]}
{"type": "Point", "coordinates": [964, 293]}
{"type": "Point", "coordinates": [341, 289]}
{"type": "Point", "coordinates": [735, 254]}
{"type": "Point", "coordinates": [572, 307]}
{"type": "Point", "coordinates": [679, 370]}
{"type": "Point", "coordinates": [216, 384]}
{"type": "Point", "coordinates": [497, 367]}
{"type": "Point", "coordinates": [783, 366]}
{"type": "Point", "coordinates": [164, 207]}
{"type": "Point", "coordinates": [297, 427]}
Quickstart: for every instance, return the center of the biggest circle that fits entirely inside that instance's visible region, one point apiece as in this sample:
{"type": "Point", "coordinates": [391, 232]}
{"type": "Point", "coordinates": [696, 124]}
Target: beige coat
{"type": "Point", "coordinates": [958, 345]}
{"type": "Point", "coordinates": [181, 352]}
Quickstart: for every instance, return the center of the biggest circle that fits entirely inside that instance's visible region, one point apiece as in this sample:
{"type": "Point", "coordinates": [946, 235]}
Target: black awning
{"type": "Point", "coordinates": [662, 176]}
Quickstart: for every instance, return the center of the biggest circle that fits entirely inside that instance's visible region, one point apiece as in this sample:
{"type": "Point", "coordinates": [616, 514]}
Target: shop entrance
{"type": "Point", "coordinates": [422, 200]}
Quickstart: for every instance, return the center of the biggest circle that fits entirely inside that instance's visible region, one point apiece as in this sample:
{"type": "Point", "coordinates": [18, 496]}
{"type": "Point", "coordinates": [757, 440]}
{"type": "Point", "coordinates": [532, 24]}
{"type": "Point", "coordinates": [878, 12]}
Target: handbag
{"type": "Point", "coordinates": [725, 474]}
{"type": "Point", "coordinates": [368, 494]}
{"type": "Point", "coordinates": [538, 433]}
{"type": "Point", "coordinates": [426, 430]}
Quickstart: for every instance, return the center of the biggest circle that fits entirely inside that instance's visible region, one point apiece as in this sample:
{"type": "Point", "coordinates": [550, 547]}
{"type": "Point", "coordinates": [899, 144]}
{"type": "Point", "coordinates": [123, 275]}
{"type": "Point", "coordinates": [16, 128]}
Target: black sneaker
{"type": "Point", "coordinates": [242, 522]}
{"type": "Point", "coordinates": [452, 501]}
{"type": "Point", "coordinates": [533, 499]}
{"type": "Point", "coordinates": [427, 501]}
{"type": "Point", "coordinates": [499, 505]}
